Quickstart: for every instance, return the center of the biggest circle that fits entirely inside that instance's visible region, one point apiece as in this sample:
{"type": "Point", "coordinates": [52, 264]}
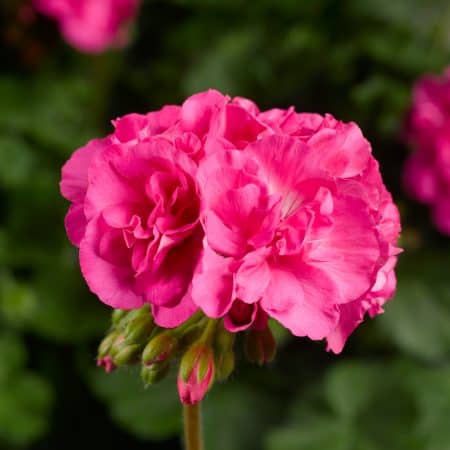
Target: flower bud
{"type": "Point", "coordinates": [118, 315]}
{"type": "Point", "coordinates": [139, 329]}
{"type": "Point", "coordinates": [160, 348]}
{"type": "Point", "coordinates": [225, 365]}
{"type": "Point", "coordinates": [125, 354]}
{"type": "Point", "coordinates": [196, 374]}
{"type": "Point", "coordinates": [155, 372]}
{"type": "Point", "coordinates": [121, 317]}
{"type": "Point", "coordinates": [260, 346]}
{"type": "Point", "coordinates": [224, 340]}
{"type": "Point", "coordinates": [107, 343]}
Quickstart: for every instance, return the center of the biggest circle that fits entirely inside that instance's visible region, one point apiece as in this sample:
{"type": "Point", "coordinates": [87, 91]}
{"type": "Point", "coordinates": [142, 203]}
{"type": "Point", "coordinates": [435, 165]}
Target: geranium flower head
{"type": "Point", "coordinates": [245, 215]}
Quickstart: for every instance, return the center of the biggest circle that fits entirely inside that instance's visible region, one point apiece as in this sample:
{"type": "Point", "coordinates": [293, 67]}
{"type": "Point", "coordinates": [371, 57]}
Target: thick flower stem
{"type": "Point", "coordinates": [192, 427]}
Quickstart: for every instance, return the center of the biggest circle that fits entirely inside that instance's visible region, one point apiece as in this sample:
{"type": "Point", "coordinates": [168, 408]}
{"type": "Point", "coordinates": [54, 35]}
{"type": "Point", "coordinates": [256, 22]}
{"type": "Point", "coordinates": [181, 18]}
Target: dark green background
{"type": "Point", "coordinates": [357, 59]}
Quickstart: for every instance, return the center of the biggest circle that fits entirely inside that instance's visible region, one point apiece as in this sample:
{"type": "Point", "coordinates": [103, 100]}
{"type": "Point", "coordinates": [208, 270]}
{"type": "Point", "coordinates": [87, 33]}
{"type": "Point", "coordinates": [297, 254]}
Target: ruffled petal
{"type": "Point", "coordinates": [74, 174]}
{"type": "Point", "coordinates": [212, 285]}
{"type": "Point", "coordinates": [75, 223]}
{"type": "Point", "coordinates": [112, 283]}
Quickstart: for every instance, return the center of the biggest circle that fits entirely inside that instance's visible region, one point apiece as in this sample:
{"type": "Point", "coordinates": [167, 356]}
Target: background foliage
{"type": "Point", "coordinates": [357, 59]}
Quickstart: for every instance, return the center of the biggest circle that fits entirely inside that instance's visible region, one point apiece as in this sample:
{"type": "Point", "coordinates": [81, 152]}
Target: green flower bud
{"type": "Point", "coordinates": [160, 348]}
{"type": "Point", "coordinates": [155, 372]}
{"type": "Point", "coordinates": [126, 354]}
{"type": "Point", "coordinates": [118, 315]}
{"type": "Point", "coordinates": [106, 344]}
{"type": "Point", "coordinates": [196, 373]}
{"type": "Point", "coordinates": [260, 346]}
{"type": "Point", "coordinates": [223, 340]}
{"type": "Point", "coordinates": [124, 316]}
{"type": "Point", "coordinates": [139, 329]}
{"type": "Point", "coordinates": [225, 365]}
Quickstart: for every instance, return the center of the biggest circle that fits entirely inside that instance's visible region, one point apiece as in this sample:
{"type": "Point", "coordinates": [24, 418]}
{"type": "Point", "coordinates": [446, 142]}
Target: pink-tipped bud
{"type": "Point", "coordinates": [126, 354]}
{"type": "Point", "coordinates": [104, 358]}
{"type": "Point", "coordinates": [155, 372]}
{"type": "Point", "coordinates": [160, 348]}
{"type": "Point", "coordinates": [107, 363]}
{"type": "Point", "coordinates": [107, 343]}
{"type": "Point", "coordinates": [260, 346]}
{"type": "Point", "coordinates": [196, 374]}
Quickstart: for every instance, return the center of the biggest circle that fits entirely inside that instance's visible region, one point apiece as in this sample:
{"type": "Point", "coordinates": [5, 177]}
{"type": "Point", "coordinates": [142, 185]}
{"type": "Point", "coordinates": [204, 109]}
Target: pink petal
{"type": "Point", "coordinates": [351, 315]}
{"type": "Point", "coordinates": [285, 164]}
{"type": "Point", "coordinates": [221, 238]}
{"type": "Point", "coordinates": [241, 316]}
{"type": "Point", "coordinates": [236, 125]}
{"type": "Point", "coordinates": [173, 316]}
{"type": "Point", "coordinates": [348, 251]}
{"type": "Point", "coordinates": [75, 222]}
{"type": "Point", "coordinates": [168, 282]}
{"type": "Point", "coordinates": [162, 120]}
{"type": "Point", "coordinates": [342, 152]}
{"type": "Point", "coordinates": [130, 127]}
{"type": "Point", "coordinates": [212, 285]}
{"type": "Point", "coordinates": [250, 106]}
{"type": "Point", "coordinates": [113, 175]}
{"type": "Point", "coordinates": [74, 179]}
{"type": "Point", "coordinates": [197, 111]}
{"type": "Point", "coordinates": [301, 297]}
{"type": "Point", "coordinates": [113, 284]}
{"type": "Point", "coordinates": [252, 277]}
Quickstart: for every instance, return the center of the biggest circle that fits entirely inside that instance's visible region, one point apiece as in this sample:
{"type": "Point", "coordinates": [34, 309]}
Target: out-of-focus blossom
{"type": "Point", "coordinates": [427, 171]}
{"type": "Point", "coordinates": [91, 26]}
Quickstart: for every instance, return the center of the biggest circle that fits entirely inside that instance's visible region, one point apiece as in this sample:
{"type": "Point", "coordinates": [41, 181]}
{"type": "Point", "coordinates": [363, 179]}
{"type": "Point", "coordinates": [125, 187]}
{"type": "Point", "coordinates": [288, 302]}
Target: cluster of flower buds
{"type": "Point", "coordinates": [202, 346]}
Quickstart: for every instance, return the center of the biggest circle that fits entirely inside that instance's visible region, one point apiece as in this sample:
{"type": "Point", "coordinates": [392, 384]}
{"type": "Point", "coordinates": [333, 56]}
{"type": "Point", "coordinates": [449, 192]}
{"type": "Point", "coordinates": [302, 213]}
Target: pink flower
{"type": "Point", "coordinates": [427, 171]}
{"type": "Point", "coordinates": [298, 226]}
{"type": "Point", "coordinates": [91, 25]}
{"type": "Point", "coordinates": [242, 213]}
{"type": "Point", "coordinates": [134, 216]}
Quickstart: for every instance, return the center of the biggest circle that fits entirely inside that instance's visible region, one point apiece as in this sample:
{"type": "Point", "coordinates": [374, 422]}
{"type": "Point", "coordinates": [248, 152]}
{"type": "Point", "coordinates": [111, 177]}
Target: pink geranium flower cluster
{"type": "Point", "coordinates": [91, 25]}
{"type": "Point", "coordinates": [245, 214]}
{"type": "Point", "coordinates": [427, 171]}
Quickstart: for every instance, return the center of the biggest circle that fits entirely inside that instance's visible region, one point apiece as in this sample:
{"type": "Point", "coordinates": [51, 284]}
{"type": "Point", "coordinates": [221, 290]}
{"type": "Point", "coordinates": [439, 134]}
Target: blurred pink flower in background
{"type": "Point", "coordinates": [427, 171]}
{"type": "Point", "coordinates": [242, 213]}
{"type": "Point", "coordinates": [91, 26]}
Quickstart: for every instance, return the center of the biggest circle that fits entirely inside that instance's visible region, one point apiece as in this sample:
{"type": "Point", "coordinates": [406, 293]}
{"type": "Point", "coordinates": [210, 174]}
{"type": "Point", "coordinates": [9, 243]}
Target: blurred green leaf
{"type": "Point", "coordinates": [13, 355]}
{"type": "Point", "coordinates": [371, 406]}
{"type": "Point", "coordinates": [18, 302]}
{"type": "Point", "coordinates": [16, 161]}
{"type": "Point", "coordinates": [217, 67]}
{"type": "Point", "coordinates": [152, 413]}
{"type": "Point", "coordinates": [323, 434]}
{"type": "Point", "coordinates": [67, 310]}
{"type": "Point", "coordinates": [236, 416]}
{"type": "Point", "coordinates": [25, 397]}
{"type": "Point", "coordinates": [418, 319]}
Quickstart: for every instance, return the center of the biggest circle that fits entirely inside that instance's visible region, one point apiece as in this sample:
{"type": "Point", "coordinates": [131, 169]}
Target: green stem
{"type": "Point", "coordinates": [209, 332]}
{"type": "Point", "coordinates": [192, 427]}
